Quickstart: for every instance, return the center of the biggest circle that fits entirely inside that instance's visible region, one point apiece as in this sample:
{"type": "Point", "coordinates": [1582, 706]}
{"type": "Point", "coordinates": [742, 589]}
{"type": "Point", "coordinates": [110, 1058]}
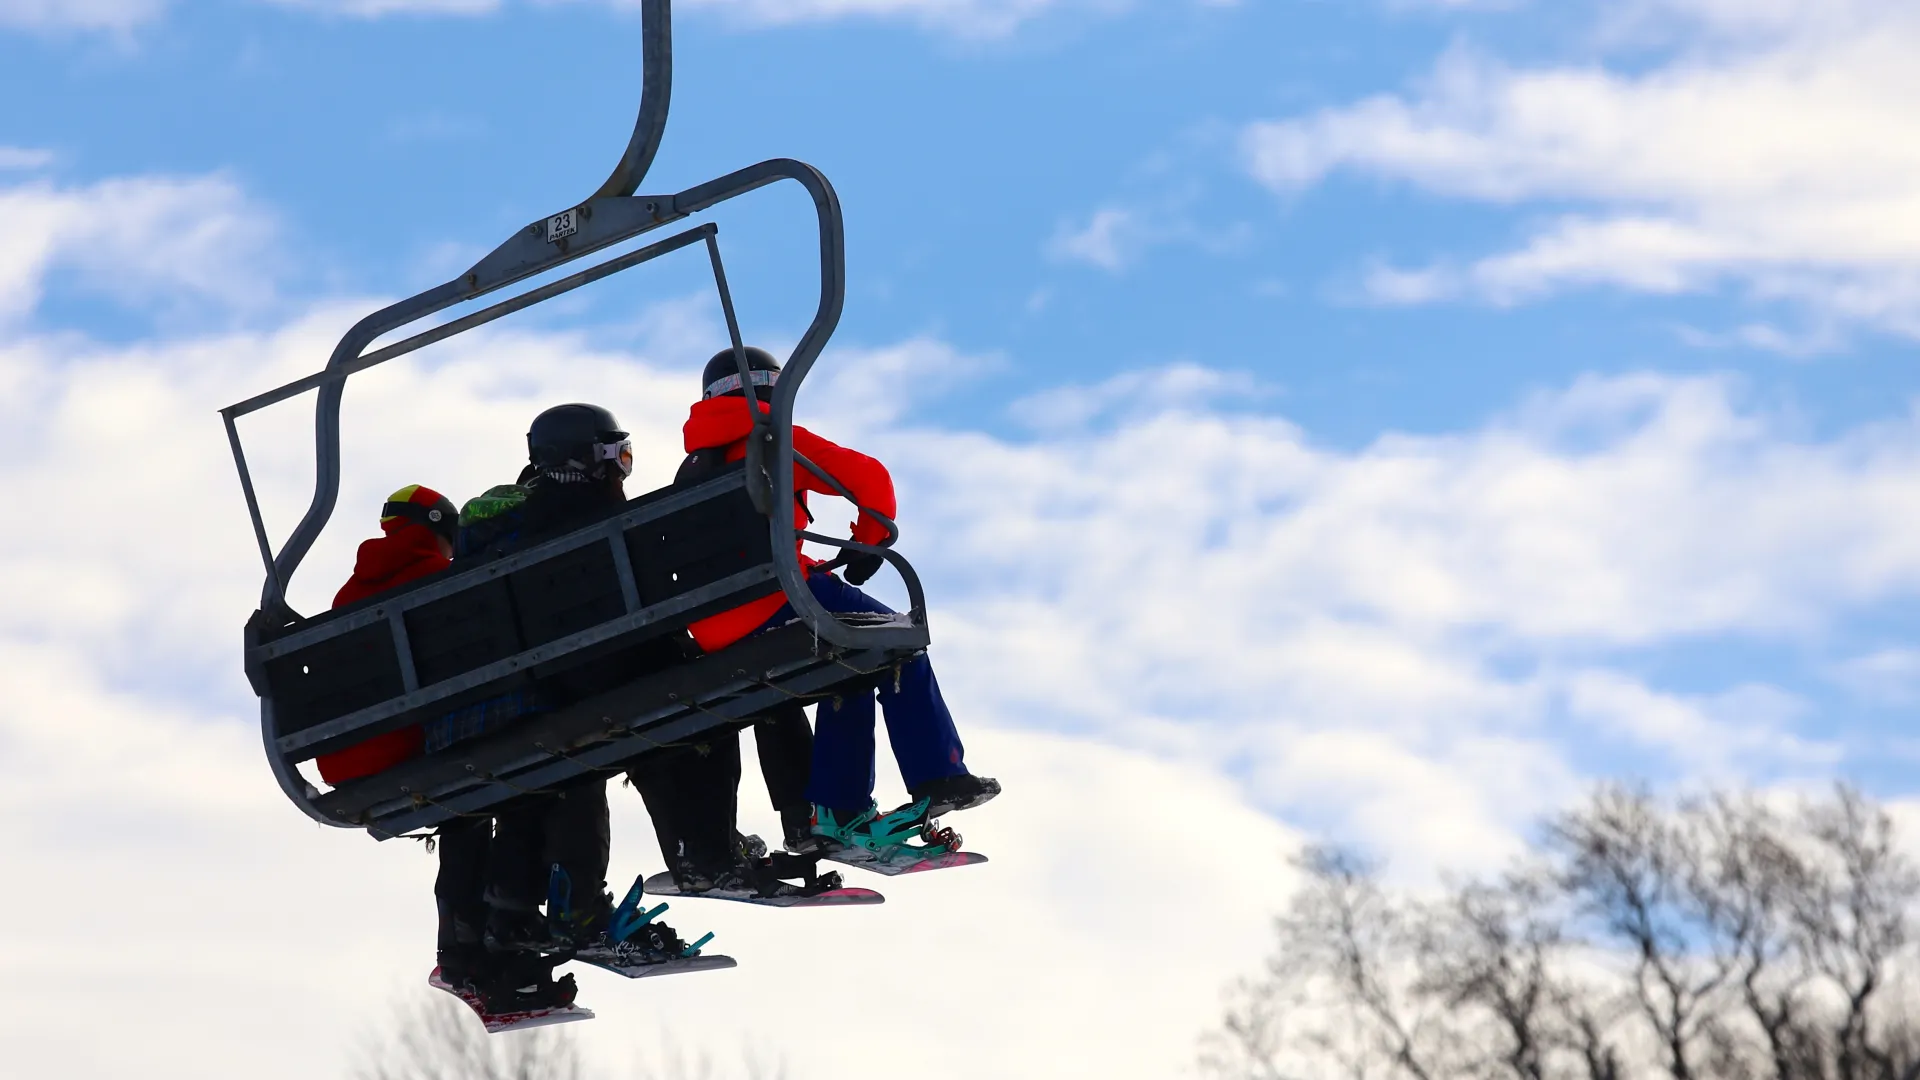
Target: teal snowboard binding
{"type": "Point", "coordinates": [627, 940]}
{"type": "Point", "coordinates": [902, 841]}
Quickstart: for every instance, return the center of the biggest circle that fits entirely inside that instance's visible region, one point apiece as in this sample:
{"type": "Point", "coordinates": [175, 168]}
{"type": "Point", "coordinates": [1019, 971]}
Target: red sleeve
{"type": "Point", "coordinates": [867, 479]}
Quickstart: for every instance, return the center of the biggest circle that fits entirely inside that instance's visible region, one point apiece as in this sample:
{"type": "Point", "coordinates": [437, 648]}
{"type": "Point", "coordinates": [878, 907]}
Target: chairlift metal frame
{"type": "Point", "coordinates": [838, 649]}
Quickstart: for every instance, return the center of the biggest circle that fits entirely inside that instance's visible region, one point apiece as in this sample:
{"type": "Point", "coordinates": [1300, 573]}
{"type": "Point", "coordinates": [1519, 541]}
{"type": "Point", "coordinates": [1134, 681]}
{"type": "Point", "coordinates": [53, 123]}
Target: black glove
{"type": "Point", "coordinates": [860, 565]}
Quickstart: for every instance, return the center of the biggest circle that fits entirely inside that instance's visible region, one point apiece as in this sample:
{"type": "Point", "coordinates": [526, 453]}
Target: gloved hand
{"type": "Point", "coordinates": [860, 566]}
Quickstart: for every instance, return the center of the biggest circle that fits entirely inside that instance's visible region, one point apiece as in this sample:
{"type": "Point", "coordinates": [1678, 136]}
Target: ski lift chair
{"type": "Point", "coordinates": [668, 558]}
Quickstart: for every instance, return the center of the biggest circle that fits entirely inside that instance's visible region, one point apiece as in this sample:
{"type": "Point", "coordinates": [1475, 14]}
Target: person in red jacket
{"type": "Point", "coordinates": [417, 527]}
{"type": "Point", "coordinates": [925, 743]}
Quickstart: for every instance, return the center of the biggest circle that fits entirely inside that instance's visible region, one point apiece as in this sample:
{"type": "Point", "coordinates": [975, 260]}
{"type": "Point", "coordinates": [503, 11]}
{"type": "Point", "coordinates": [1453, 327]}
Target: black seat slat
{"type": "Point", "coordinates": [698, 546]}
{"type": "Point", "coordinates": [470, 629]}
{"type": "Point", "coordinates": [334, 677]}
{"type": "Point", "coordinates": [568, 593]}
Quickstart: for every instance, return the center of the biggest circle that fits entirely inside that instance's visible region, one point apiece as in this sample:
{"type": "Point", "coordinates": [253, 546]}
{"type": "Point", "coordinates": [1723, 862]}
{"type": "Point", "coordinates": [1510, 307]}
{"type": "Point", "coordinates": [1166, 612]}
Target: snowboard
{"type": "Point", "coordinates": [509, 1021]}
{"type": "Point", "coordinates": [662, 885]}
{"type": "Point", "coordinates": [903, 860]}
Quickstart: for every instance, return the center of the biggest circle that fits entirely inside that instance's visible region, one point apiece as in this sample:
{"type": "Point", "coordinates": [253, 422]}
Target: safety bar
{"type": "Point", "coordinates": [597, 224]}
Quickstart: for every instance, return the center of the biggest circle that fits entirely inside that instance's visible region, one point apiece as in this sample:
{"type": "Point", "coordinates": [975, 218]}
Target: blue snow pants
{"type": "Point", "coordinates": [925, 744]}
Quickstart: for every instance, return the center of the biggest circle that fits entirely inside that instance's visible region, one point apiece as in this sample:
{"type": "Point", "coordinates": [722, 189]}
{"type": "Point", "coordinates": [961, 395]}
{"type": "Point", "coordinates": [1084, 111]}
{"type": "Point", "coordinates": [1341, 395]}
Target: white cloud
{"type": "Point", "coordinates": [1888, 676]}
{"type": "Point", "coordinates": [1713, 734]}
{"type": "Point", "coordinates": [1134, 394]}
{"type": "Point", "coordinates": [1539, 526]}
{"type": "Point", "coordinates": [1398, 285]}
{"type": "Point", "coordinates": [1746, 18]}
{"type": "Point", "coordinates": [165, 240]}
{"type": "Point", "coordinates": [1116, 237]}
{"type": "Point", "coordinates": [23, 158]}
{"type": "Point", "coordinates": [876, 388]}
{"type": "Point", "coordinates": [1105, 242]}
{"type": "Point", "coordinates": [1785, 164]}
{"type": "Point", "coordinates": [118, 15]}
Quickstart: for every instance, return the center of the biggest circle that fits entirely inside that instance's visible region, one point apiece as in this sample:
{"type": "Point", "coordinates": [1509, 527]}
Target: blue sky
{"type": "Point", "coordinates": [1370, 421]}
{"type": "Point", "coordinates": [380, 142]}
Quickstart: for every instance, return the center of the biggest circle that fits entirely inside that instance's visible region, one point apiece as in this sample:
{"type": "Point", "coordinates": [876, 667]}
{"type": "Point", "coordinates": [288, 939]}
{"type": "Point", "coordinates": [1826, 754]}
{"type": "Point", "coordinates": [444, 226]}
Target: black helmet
{"type": "Point", "coordinates": [577, 442]}
{"type": "Point", "coordinates": [722, 375]}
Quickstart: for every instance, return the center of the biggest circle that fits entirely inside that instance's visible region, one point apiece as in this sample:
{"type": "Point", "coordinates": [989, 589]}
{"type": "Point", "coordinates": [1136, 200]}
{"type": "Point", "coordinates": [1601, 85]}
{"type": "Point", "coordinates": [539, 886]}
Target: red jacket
{"type": "Point", "coordinates": [407, 551]}
{"type": "Point", "coordinates": [723, 421]}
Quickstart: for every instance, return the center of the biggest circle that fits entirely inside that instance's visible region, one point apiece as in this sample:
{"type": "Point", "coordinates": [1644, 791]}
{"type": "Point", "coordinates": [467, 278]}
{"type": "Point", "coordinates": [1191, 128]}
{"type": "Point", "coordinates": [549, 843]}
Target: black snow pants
{"type": "Point", "coordinates": [689, 791]}
{"type": "Point", "coordinates": [692, 792]}
{"type": "Point", "coordinates": [785, 743]}
{"type": "Point", "coordinates": [459, 890]}
{"type": "Point", "coordinates": [568, 828]}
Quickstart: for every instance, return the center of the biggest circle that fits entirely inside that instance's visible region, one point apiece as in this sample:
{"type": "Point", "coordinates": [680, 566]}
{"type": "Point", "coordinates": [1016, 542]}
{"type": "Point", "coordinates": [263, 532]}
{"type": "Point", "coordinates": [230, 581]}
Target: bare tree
{"type": "Point", "coordinates": [1715, 939]}
{"type": "Point", "coordinates": [1348, 939]}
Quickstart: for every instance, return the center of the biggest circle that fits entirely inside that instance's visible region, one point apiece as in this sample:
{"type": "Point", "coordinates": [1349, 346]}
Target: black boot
{"type": "Point", "coordinates": [951, 793]}
{"type": "Point", "coordinates": [796, 828]}
{"type": "Point", "coordinates": [582, 925]}
{"type": "Point", "coordinates": [511, 930]}
{"type": "Point", "coordinates": [525, 983]}
{"type": "Point", "coordinates": [467, 965]}
{"type": "Point", "coordinates": [691, 877]}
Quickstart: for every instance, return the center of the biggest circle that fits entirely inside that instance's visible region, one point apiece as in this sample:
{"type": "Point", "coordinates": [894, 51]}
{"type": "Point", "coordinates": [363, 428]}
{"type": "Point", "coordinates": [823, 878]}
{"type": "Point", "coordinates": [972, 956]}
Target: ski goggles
{"type": "Point", "coordinates": [732, 382]}
{"type": "Point", "coordinates": [441, 517]}
{"type": "Point", "coordinates": [620, 453]}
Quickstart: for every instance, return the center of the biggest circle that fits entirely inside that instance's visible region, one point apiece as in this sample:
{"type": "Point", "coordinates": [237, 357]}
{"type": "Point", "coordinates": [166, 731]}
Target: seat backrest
{"type": "Point", "coordinates": [698, 546]}
{"type": "Point", "coordinates": [469, 633]}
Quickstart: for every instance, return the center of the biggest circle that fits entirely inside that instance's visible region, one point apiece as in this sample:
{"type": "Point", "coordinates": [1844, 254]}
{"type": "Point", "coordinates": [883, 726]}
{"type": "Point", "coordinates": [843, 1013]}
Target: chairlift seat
{"type": "Point", "coordinates": [475, 632]}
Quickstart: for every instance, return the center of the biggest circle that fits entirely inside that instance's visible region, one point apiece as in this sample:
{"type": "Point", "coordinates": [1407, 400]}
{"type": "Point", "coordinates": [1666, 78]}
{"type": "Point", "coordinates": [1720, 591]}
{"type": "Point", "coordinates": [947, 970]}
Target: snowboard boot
{"type": "Point", "coordinates": [575, 922]}
{"type": "Point", "coordinates": [581, 926]}
{"type": "Point", "coordinates": [796, 828]}
{"type": "Point", "coordinates": [754, 874]}
{"type": "Point", "coordinates": [692, 877]}
{"type": "Point", "coordinates": [466, 966]}
{"type": "Point", "coordinates": [526, 984]}
{"type": "Point", "coordinates": [460, 945]}
{"type": "Point", "coordinates": [511, 930]}
{"type": "Point", "coordinates": [953, 793]}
